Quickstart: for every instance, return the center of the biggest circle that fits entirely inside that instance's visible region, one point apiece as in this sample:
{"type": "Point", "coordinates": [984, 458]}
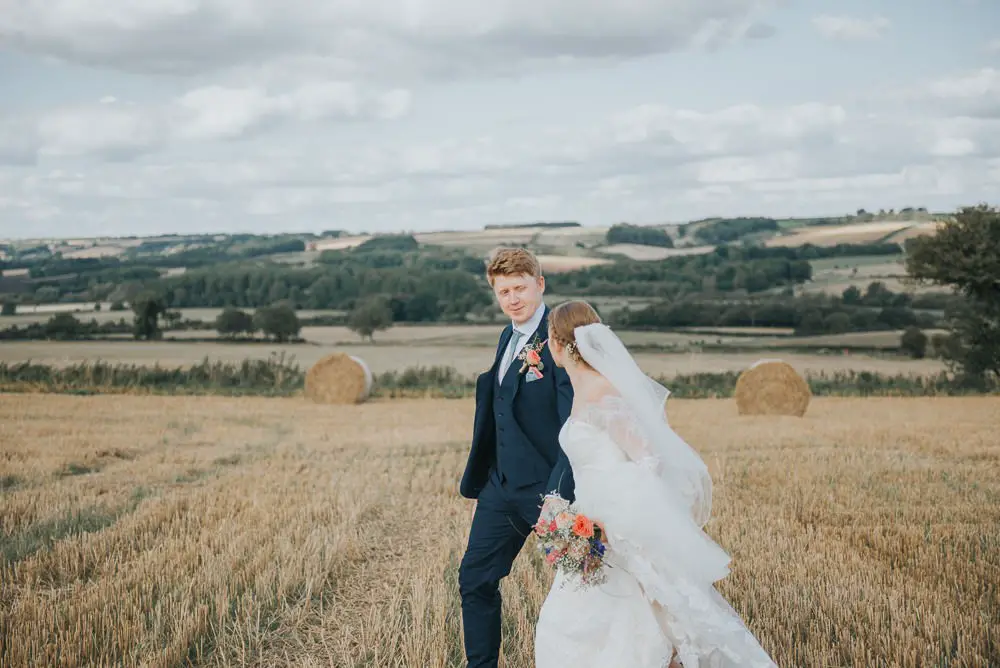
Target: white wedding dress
{"type": "Point", "coordinates": [634, 475]}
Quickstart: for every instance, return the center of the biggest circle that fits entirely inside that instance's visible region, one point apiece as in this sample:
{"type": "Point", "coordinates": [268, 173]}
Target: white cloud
{"type": "Point", "coordinates": [385, 38]}
{"type": "Point", "coordinates": [651, 162]}
{"type": "Point", "coordinates": [114, 132]}
{"type": "Point", "coordinates": [111, 129]}
{"type": "Point", "coordinates": [851, 29]}
{"type": "Point", "coordinates": [737, 130]}
{"type": "Point", "coordinates": [975, 93]}
{"type": "Point", "coordinates": [985, 82]}
{"type": "Point", "coordinates": [217, 112]}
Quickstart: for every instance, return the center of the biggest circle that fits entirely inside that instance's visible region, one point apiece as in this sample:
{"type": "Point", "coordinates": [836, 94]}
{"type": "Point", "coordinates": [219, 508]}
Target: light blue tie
{"type": "Point", "coordinates": [509, 355]}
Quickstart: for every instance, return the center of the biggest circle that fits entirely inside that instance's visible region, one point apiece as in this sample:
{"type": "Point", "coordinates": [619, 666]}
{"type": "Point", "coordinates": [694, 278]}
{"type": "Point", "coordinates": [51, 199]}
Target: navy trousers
{"type": "Point", "coordinates": [504, 517]}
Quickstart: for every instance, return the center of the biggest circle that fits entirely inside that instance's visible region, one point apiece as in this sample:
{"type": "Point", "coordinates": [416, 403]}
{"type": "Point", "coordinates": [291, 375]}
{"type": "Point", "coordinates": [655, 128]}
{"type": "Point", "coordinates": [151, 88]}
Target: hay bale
{"type": "Point", "coordinates": [772, 387]}
{"type": "Point", "coordinates": [339, 379]}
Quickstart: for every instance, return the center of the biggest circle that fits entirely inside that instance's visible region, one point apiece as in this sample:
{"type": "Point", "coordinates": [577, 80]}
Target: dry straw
{"type": "Point", "coordinates": [772, 387]}
{"type": "Point", "coordinates": [339, 379]}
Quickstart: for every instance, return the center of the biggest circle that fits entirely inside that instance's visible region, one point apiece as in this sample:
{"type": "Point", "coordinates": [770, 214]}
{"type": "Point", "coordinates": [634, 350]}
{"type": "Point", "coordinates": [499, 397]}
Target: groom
{"type": "Point", "coordinates": [515, 457]}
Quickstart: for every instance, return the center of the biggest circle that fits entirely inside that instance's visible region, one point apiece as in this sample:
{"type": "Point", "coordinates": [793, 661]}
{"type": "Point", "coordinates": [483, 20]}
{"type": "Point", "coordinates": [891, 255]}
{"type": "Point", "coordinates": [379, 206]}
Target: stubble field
{"type": "Point", "coordinates": [471, 348]}
{"type": "Point", "coordinates": [267, 532]}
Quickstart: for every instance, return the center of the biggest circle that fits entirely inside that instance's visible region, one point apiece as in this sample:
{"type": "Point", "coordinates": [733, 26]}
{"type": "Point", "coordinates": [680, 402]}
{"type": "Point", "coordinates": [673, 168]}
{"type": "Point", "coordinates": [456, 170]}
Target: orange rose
{"type": "Point", "coordinates": [583, 527]}
{"type": "Point", "coordinates": [533, 357]}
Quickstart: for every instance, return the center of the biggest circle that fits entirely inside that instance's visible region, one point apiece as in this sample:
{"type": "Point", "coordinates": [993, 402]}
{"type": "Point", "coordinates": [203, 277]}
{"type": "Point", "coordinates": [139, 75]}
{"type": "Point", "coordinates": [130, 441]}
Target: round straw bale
{"type": "Point", "coordinates": [339, 379]}
{"type": "Point", "coordinates": [772, 387]}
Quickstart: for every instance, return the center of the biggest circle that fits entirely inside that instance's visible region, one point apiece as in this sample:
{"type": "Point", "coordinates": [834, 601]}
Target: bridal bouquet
{"type": "Point", "coordinates": [571, 542]}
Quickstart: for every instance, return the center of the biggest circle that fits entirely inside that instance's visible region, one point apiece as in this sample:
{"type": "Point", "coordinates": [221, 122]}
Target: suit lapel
{"type": "Point", "coordinates": [505, 337]}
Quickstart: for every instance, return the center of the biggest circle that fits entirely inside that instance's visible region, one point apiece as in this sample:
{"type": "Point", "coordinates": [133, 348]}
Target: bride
{"type": "Point", "coordinates": [652, 494]}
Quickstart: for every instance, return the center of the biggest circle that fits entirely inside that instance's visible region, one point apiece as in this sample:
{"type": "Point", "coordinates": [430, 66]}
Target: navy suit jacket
{"type": "Point", "coordinates": [529, 426]}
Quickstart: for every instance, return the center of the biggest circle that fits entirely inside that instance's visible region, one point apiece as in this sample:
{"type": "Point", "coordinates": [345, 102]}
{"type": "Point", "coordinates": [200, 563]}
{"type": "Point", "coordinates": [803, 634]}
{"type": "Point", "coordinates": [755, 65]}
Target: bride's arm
{"type": "Point", "coordinates": [628, 435]}
{"type": "Point", "coordinates": [561, 477]}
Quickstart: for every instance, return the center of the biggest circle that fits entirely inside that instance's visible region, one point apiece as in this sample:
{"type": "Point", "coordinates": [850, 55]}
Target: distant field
{"type": "Point", "coordinates": [340, 243]}
{"type": "Point", "coordinates": [834, 275]}
{"type": "Point", "coordinates": [27, 315]}
{"type": "Point", "coordinates": [740, 331]}
{"type": "Point", "coordinates": [891, 263]}
{"type": "Point", "coordinates": [556, 264]}
{"type": "Point", "coordinates": [479, 238]}
{"type": "Point", "coordinates": [485, 336]}
{"type": "Point", "coordinates": [641, 252]}
{"type": "Point", "coordinates": [94, 252]}
{"type": "Point", "coordinates": [468, 352]}
{"type": "Point", "coordinates": [606, 305]}
{"type": "Point", "coordinates": [461, 336]}
{"type": "Point", "coordinates": [554, 241]}
{"type": "Point", "coordinates": [570, 236]}
{"type": "Point", "coordinates": [823, 235]}
{"type": "Point", "coordinates": [917, 230]}
{"type": "Point", "coordinates": [835, 286]}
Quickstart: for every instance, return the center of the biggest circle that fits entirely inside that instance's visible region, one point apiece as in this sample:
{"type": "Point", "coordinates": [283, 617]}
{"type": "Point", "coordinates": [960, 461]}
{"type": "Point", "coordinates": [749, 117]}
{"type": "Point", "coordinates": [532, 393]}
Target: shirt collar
{"type": "Point", "coordinates": [531, 326]}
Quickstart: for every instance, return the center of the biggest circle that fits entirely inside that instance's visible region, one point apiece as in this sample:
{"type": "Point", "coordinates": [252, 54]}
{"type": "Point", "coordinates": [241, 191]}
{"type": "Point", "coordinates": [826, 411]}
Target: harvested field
{"type": "Point", "coordinates": [831, 235]}
{"type": "Point", "coordinates": [918, 230]}
{"type": "Point", "coordinates": [219, 532]}
{"type": "Point", "coordinates": [557, 264]}
{"type": "Point", "coordinates": [641, 252]}
{"type": "Point", "coordinates": [469, 354]}
{"type": "Point", "coordinates": [340, 243]}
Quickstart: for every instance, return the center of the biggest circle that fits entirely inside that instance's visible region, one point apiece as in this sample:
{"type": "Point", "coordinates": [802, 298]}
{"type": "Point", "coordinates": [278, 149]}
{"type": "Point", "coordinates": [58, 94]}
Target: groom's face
{"type": "Point", "coordinates": [519, 296]}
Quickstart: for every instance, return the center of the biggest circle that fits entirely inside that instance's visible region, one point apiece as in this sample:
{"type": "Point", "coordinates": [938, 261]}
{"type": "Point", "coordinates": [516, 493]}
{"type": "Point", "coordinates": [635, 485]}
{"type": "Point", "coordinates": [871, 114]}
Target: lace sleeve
{"type": "Point", "coordinates": [614, 416]}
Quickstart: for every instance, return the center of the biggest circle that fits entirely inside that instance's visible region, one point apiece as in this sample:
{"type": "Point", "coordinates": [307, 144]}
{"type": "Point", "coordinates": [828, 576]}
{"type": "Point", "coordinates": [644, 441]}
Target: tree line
{"type": "Point", "coordinates": [726, 230]}
{"type": "Point", "coordinates": [875, 309]}
{"type": "Point", "coordinates": [625, 233]}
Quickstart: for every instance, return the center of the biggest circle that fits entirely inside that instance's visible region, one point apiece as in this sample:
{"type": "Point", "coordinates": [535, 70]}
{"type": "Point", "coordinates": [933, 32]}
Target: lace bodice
{"type": "Point", "coordinates": [605, 433]}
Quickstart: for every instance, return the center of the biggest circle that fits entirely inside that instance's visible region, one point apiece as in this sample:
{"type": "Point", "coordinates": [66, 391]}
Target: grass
{"type": "Point", "coordinates": [45, 534]}
{"type": "Point", "coordinates": [830, 235]}
{"type": "Point", "coordinates": [470, 349]}
{"type": "Point", "coordinates": [86, 313]}
{"type": "Point", "coordinates": [278, 377]}
{"type": "Point", "coordinates": [862, 535]}
{"type": "Point", "coordinates": [892, 263]}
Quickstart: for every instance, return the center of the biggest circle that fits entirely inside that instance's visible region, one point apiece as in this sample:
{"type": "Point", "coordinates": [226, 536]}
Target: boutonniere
{"type": "Point", "coordinates": [531, 358]}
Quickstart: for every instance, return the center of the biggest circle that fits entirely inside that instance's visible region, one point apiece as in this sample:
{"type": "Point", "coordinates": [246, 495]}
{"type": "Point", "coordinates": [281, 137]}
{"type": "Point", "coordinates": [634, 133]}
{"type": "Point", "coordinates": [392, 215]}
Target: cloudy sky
{"type": "Point", "coordinates": [125, 117]}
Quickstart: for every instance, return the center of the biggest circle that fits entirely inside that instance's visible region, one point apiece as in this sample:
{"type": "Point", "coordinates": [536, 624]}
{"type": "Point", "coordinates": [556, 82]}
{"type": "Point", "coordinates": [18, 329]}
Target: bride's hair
{"type": "Point", "coordinates": [563, 321]}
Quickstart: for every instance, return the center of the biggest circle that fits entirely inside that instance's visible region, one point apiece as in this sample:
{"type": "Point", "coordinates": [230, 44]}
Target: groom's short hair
{"type": "Point", "coordinates": [512, 262]}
